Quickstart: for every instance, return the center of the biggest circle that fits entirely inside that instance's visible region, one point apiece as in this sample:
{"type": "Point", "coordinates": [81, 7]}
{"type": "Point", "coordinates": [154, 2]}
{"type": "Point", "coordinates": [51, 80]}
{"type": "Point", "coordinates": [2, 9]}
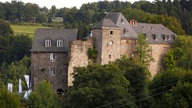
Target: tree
{"type": "Point", "coordinates": [5, 29]}
{"type": "Point", "coordinates": [138, 75]}
{"type": "Point", "coordinates": [41, 19]}
{"type": "Point", "coordinates": [179, 96]}
{"type": "Point", "coordinates": [180, 55]}
{"type": "Point", "coordinates": [143, 51]}
{"type": "Point", "coordinates": [169, 61]}
{"type": "Point", "coordinates": [8, 100]}
{"type": "Point", "coordinates": [99, 86]}
{"type": "Point", "coordinates": [43, 97]}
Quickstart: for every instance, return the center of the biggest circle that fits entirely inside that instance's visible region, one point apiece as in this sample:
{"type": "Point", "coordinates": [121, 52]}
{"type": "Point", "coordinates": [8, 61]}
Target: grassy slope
{"type": "Point", "coordinates": [25, 30]}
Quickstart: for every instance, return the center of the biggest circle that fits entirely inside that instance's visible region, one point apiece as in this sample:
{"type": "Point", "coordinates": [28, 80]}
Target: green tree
{"type": "Point", "coordinates": [8, 100]}
{"type": "Point", "coordinates": [169, 61]}
{"type": "Point", "coordinates": [138, 75]}
{"type": "Point", "coordinates": [179, 96]}
{"type": "Point", "coordinates": [99, 86]}
{"type": "Point", "coordinates": [5, 28]}
{"type": "Point", "coordinates": [43, 97]}
{"type": "Point", "coordinates": [143, 51]}
{"type": "Point", "coordinates": [41, 19]}
{"type": "Point", "coordinates": [180, 54]}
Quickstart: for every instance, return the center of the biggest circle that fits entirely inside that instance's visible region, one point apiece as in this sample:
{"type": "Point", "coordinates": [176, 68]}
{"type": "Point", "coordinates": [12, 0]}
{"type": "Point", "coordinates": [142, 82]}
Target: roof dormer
{"type": "Point", "coordinates": [154, 37]}
{"type": "Point", "coordinates": [59, 43]}
{"type": "Point", "coordinates": [47, 43]}
{"type": "Point", "coordinates": [133, 22]}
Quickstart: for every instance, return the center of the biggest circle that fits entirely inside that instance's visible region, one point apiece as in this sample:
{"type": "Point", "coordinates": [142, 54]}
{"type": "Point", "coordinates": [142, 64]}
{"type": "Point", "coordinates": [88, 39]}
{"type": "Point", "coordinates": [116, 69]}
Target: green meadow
{"type": "Point", "coordinates": [28, 30]}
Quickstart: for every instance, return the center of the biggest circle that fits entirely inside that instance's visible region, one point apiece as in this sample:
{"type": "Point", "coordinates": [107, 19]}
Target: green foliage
{"type": "Point", "coordinates": [172, 88]}
{"type": "Point", "coordinates": [14, 48]}
{"type": "Point", "coordinates": [180, 55]}
{"type": "Point", "coordinates": [143, 51]}
{"type": "Point", "coordinates": [43, 97]}
{"type": "Point", "coordinates": [8, 100]}
{"type": "Point", "coordinates": [169, 61]}
{"type": "Point", "coordinates": [11, 73]}
{"type": "Point", "coordinates": [92, 53]}
{"type": "Point", "coordinates": [41, 19]}
{"type": "Point", "coordinates": [99, 86]}
{"type": "Point", "coordinates": [5, 29]}
{"type": "Point", "coordinates": [138, 76]}
{"type": "Point", "coordinates": [179, 96]}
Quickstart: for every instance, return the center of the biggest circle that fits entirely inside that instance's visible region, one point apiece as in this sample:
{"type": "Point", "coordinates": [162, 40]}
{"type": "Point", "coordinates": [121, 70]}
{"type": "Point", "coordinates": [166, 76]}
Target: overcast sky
{"type": "Point", "coordinates": [62, 3]}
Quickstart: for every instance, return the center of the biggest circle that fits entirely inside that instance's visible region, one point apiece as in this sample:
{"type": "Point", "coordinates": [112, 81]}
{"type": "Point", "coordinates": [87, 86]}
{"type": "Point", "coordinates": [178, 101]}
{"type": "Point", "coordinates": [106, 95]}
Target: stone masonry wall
{"type": "Point", "coordinates": [41, 70]}
{"type": "Point", "coordinates": [127, 47]}
{"type": "Point", "coordinates": [110, 45]}
{"type": "Point", "coordinates": [97, 35]}
{"type": "Point", "coordinates": [78, 57]}
{"type": "Point", "coordinates": [158, 51]}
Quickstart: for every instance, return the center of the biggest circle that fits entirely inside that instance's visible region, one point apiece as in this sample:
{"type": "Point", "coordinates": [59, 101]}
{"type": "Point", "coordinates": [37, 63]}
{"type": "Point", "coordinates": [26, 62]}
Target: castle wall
{"type": "Point", "coordinates": [158, 51]}
{"type": "Point", "coordinates": [97, 35]}
{"type": "Point", "coordinates": [42, 66]}
{"type": "Point", "coordinates": [78, 57]}
{"type": "Point", "coordinates": [127, 47]}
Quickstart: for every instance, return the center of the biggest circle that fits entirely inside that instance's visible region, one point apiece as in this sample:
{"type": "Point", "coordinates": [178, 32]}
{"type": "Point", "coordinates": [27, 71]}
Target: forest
{"type": "Point", "coordinates": [122, 84]}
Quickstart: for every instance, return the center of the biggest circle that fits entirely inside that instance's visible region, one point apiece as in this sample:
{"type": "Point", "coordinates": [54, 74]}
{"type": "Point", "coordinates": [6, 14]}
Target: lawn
{"type": "Point", "coordinates": [25, 29]}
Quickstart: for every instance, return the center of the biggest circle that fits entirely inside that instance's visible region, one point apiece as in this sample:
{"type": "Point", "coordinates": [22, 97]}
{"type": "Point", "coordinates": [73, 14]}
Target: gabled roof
{"type": "Point", "coordinates": [53, 34]}
{"type": "Point", "coordinates": [157, 30]}
{"type": "Point", "coordinates": [115, 20]}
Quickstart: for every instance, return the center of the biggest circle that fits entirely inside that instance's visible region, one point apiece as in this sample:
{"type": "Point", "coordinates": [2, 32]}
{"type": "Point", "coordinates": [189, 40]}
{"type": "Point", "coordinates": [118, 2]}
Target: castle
{"type": "Point", "coordinates": [56, 51]}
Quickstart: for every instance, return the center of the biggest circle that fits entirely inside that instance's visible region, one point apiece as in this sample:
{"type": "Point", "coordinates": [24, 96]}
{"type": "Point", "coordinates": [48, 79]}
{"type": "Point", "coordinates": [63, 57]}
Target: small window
{"type": "Point", "coordinates": [134, 43]}
{"type": "Point", "coordinates": [47, 43]}
{"type": "Point", "coordinates": [59, 43]}
{"type": "Point", "coordinates": [154, 37]}
{"type": "Point", "coordinates": [53, 72]}
{"type": "Point", "coordinates": [152, 28]}
{"type": "Point", "coordinates": [167, 36]}
{"type": "Point", "coordinates": [52, 57]}
{"type": "Point", "coordinates": [124, 31]}
{"type": "Point", "coordinates": [164, 37]}
{"type": "Point", "coordinates": [43, 70]}
{"type": "Point", "coordinates": [109, 56]}
{"type": "Point", "coordinates": [111, 43]}
{"type": "Point", "coordinates": [127, 42]}
{"type": "Point", "coordinates": [111, 32]}
{"type": "Point", "coordinates": [122, 21]}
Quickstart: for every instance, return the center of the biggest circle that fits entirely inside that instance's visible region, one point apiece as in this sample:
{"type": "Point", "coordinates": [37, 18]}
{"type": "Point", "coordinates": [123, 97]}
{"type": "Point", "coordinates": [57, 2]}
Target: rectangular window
{"type": "Point", "coordinates": [164, 37]}
{"type": "Point", "coordinates": [111, 43]}
{"type": "Point", "coordinates": [47, 43]}
{"type": "Point", "coordinates": [59, 43]}
{"type": "Point", "coordinates": [134, 43]}
{"type": "Point", "coordinates": [109, 56]}
{"type": "Point", "coordinates": [52, 57]}
{"type": "Point", "coordinates": [111, 32]}
{"type": "Point", "coordinates": [53, 72]}
{"type": "Point", "coordinates": [127, 42]}
{"type": "Point", "coordinates": [154, 37]}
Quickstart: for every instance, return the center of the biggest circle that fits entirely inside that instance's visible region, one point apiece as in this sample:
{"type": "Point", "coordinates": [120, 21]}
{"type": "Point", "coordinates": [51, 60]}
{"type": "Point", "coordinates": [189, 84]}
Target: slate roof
{"type": "Point", "coordinates": [53, 34]}
{"type": "Point", "coordinates": [105, 23]}
{"type": "Point", "coordinates": [157, 30]}
{"type": "Point", "coordinates": [116, 19]}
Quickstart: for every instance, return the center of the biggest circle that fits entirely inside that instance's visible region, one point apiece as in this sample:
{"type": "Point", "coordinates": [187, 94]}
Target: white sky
{"type": "Point", "coordinates": [63, 3]}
